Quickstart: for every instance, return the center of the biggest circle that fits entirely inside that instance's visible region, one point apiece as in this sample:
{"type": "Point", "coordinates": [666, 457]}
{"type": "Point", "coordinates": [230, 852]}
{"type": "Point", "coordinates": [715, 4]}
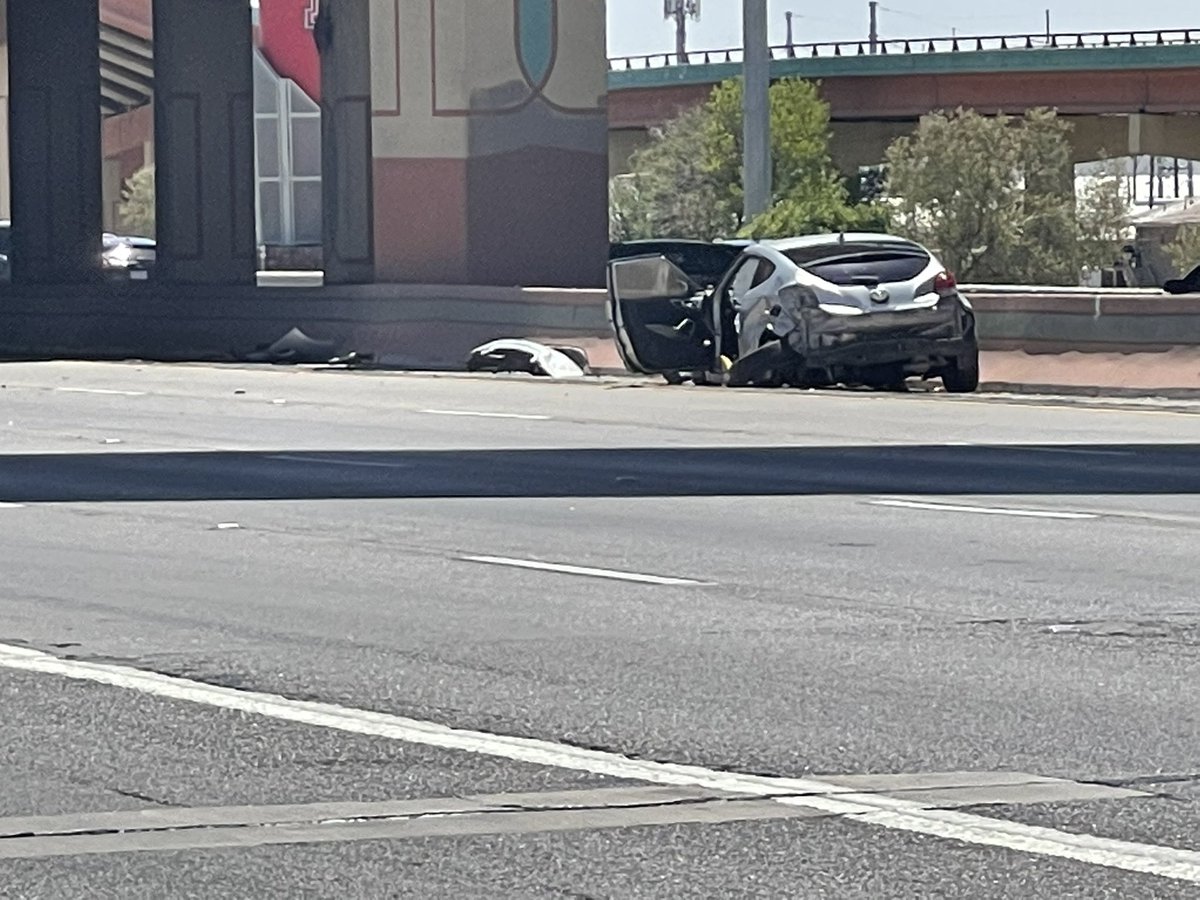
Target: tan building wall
{"type": "Point", "coordinates": [490, 154]}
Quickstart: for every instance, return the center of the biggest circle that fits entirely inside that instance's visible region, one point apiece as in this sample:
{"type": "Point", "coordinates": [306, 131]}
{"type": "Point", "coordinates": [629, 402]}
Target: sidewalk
{"type": "Point", "coordinates": [1170, 373]}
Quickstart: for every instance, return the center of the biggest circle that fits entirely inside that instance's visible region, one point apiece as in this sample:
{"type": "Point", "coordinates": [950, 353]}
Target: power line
{"type": "Point", "coordinates": [947, 21]}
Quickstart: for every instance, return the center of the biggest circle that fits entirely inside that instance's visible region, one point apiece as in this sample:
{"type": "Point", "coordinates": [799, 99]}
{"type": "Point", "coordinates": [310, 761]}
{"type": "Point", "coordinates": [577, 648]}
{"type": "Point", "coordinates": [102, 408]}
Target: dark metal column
{"type": "Point", "coordinates": [204, 141]}
{"type": "Point", "coordinates": [54, 140]}
{"type": "Point", "coordinates": [343, 36]}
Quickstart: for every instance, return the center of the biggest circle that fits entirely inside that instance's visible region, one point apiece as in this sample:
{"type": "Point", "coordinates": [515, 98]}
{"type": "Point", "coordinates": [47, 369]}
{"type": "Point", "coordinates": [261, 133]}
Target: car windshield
{"type": "Point", "coordinates": [846, 265]}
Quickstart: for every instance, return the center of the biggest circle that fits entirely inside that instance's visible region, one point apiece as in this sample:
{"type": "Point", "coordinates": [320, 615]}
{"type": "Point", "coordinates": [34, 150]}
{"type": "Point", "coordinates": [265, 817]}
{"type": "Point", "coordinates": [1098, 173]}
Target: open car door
{"type": "Point", "coordinates": [658, 315]}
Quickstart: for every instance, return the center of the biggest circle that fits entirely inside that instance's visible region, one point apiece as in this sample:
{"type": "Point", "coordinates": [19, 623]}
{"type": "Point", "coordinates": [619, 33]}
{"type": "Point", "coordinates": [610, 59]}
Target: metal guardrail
{"type": "Point", "coordinates": [901, 46]}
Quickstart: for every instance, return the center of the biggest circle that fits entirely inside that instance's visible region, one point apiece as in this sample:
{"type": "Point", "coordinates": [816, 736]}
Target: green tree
{"type": "Point", "coordinates": [996, 198]}
{"type": "Point", "coordinates": [1184, 251]}
{"type": "Point", "coordinates": [623, 209]}
{"type": "Point", "coordinates": [688, 182]}
{"type": "Point", "coordinates": [673, 191]}
{"type": "Point", "coordinates": [136, 210]}
{"type": "Point", "coordinates": [1102, 215]}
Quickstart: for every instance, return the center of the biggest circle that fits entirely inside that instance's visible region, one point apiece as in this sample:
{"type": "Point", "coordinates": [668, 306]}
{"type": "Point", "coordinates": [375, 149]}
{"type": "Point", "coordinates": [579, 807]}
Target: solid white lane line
{"type": "Point", "coordinates": [1146, 859]}
{"type": "Point", "coordinates": [12, 505]}
{"type": "Point", "coordinates": [400, 728]}
{"type": "Point", "coordinates": [586, 571]}
{"type": "Point", "coordinates": [108, 393]}
{"type": "Point", "coordinates": [484, 415]}
{"type": "Point", "coordinates": [885, 812]}
{"type": "Point", "coordinates": [356, 463]}
{"type": "Point", "coordinates": [984, 510]}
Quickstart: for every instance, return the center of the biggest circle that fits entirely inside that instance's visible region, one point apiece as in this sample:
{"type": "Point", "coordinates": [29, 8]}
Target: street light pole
{"type": "Point", "coordinates": [756, 110]}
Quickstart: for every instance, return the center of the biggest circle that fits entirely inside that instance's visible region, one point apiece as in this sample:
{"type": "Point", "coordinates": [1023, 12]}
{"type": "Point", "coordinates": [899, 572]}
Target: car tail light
{"type": "Point", "coordinates": [945, 283]}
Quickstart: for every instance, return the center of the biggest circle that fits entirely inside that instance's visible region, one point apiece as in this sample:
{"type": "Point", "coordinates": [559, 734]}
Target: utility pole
{"type": "Point", "coordinates": [791, 42]}
{"type": "Point", "coordinates": [756, 109]}
{"type": "Point", "coordinates": [1048, 32]}
{"type": "Point", "coordinates": [681, 11]}
{"type": "Point", "coordinates": [874, 34]}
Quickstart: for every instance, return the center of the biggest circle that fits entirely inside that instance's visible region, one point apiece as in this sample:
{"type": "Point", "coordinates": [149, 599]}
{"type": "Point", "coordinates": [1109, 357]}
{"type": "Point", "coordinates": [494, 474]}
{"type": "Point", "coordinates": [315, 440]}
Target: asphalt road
{"type": "Point", "coordinates": [784, 591]}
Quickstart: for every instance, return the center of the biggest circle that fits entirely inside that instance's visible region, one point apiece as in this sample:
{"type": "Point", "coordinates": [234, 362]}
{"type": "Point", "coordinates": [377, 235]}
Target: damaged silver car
{"type": "Point", "coordinates": [854, 309]}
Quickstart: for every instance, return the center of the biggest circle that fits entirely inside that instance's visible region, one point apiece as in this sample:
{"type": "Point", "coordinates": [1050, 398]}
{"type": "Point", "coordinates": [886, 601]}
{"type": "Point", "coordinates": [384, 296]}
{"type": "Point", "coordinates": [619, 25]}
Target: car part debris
{"type": "Point", "coordinates": [577, 355]}
{"type": "Point", "coordinates": [354, 360]}
{"type": "Point", "coordinates": [294, 348]}
{"type": "Point", "coordinates": [518, 355]}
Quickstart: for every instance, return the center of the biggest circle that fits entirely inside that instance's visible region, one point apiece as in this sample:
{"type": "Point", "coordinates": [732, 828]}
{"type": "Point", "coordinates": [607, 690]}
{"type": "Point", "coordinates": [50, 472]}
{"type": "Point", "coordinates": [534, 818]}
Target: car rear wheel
{"type": "Point", "coordinates": [962, 376]}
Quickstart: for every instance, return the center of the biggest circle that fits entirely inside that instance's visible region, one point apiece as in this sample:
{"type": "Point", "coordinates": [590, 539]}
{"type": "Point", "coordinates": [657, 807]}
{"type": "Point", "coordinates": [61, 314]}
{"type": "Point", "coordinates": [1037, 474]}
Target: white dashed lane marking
{"type": "Point", "coordinates": [985, 510]}
{"type": "Point", "coordinates": [585, 571]}
{"type": "Point", "coordinates": [467, 413]}
{"type": "Point", "coordinates": [105, 392]}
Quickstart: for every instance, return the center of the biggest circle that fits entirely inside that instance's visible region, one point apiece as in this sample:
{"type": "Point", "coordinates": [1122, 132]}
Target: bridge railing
{"type": "Point", "coordinates": [953, 44]}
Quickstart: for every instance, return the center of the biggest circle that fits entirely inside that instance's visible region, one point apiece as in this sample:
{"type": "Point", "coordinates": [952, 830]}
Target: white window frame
{"type": "Point", "coordinates": [284, 116]}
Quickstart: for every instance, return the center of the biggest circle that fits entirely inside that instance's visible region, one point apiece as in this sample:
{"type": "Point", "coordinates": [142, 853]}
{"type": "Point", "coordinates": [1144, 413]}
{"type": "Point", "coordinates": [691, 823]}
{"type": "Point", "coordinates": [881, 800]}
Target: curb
{"type": "Point", "coordinates": [1079, 390]}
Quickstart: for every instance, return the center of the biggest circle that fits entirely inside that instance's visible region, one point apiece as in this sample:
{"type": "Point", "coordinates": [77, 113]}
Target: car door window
{"type": "Point", "coordinates": [742, 280]}
{"type": "Point", "coordinates": [765, 270]}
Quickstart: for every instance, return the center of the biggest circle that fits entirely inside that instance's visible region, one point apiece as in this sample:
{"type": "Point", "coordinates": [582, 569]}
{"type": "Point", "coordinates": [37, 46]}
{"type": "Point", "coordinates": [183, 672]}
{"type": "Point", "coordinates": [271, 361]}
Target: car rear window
{"type": "Point", "coordinates": [841, 265]}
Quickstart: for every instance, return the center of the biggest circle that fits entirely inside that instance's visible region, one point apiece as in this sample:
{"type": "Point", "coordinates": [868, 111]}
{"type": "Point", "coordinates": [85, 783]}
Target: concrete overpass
{"type": "Point", "coordinates": [1126, 93]}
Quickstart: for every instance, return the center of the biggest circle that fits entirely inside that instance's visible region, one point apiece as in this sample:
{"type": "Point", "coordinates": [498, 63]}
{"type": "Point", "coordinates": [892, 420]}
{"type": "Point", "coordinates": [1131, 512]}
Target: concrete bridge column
{"type": "Point", "coordinates": [343, 35]}
{"type": "Point", "coordinates": [490, 141]}
{"type": "Point", "coordinates": [54, 139]}
{"type": "Point", "coordinates": [204, 136]}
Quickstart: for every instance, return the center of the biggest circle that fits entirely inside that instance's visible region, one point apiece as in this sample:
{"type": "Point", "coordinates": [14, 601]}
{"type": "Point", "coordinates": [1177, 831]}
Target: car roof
{"type": "Point", "coordinates": [681, 242]}
{"type": "Point", "coordinates": [849, 237]}
{"type": "Point", "coordinates": [642, 242]}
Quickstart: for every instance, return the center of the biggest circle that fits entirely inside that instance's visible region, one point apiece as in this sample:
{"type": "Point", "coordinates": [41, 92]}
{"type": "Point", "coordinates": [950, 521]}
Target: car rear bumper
{"type": "Point", "coordinates": [877, 351]}
{"type": "Point", "coordinates": [934, 334]}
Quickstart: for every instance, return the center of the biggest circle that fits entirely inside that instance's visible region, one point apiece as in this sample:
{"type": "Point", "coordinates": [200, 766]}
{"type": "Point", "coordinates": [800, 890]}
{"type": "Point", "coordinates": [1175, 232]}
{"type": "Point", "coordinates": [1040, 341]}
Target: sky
{"type": "Point", "coordinates": [637, 26]}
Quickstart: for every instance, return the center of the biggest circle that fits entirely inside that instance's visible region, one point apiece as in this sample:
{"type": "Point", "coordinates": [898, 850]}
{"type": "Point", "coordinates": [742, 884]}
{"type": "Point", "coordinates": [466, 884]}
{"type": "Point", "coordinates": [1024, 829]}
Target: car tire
{"type": "Point", "coordinates": [962, 376]}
